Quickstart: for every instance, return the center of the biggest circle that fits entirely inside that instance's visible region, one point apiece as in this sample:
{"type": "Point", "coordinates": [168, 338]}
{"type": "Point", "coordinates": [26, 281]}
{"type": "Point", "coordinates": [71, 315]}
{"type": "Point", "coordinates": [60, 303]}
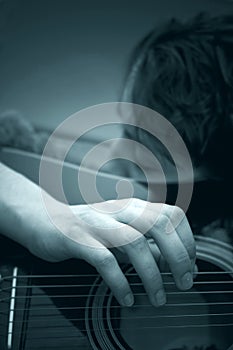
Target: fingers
{"type": "Point", "coordinates": [143, 261]}
{"type": "Point", "coordinates": [107, 266]}
{"type": "Point", "coordinates": [141, 257]}
{"type": "Point", "coordinates": [170, 231]}
{"type": "Point", "coordinates": [175, 243]}
{"type": "Point", "coordinates": [175, 253]}
{"type": "Point", "coordinates": [183, 229]}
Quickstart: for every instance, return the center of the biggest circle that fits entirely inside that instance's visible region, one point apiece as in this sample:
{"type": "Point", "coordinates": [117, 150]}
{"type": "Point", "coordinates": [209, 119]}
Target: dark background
{"type": "Point", "coordinates": [58, 56]}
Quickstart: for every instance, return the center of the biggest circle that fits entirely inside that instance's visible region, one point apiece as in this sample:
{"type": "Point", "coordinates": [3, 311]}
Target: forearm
{"type": "Point", "coordinates": [92, 231]}
{"type": "Point", "coordinates": [21, 206]}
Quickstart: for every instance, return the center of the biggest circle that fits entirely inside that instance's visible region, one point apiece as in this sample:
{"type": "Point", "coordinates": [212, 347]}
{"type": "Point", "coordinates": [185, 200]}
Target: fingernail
{"type": "Point", "coordinates": [128, 300]}
{"type": "Point", "coordinates": [160, 297]}
{"type": "Point", "coordinates": [187, 280]}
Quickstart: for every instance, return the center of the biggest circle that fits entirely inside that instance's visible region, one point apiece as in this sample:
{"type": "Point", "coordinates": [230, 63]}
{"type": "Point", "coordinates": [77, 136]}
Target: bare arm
{"type": "Point", "coordinates": [89, 233]}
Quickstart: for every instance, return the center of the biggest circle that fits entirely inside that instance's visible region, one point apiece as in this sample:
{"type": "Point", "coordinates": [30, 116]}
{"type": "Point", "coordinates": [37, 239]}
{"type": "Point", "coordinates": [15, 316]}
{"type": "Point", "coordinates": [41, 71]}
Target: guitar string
{"type": "Point", "coordinates": [141, 328]}
{"type": "Point", "coordinates": [56, 346]}
{"type": "Point", "coordinates": [154, 317]}
{"type": "Point", "coordinates": [166, 326]}
{"type": "Point", "coordinates": [57, 328]}
{"type": "Point", "coordinates": [54, 326]}
{"type": "Point", "coordinates": [92, 295]}
{"type": "Point", "coordinates": [53, 318]}
{"type": "Point", "coordinates": [136, 284]}
{"type": "Point", "coordinates": [85, 346]}
{"type": "Point", "coordinates": [150, 305]}
{"type": "Point", "coordinates": [176, 326]}
{"type": "Point", "coordinates": [91, 284]}
{"type": "Point", "coordinates": [132, 284]}
{"type": "Point", "coordinates": [138, 329]}
{"type": "Point", "coordinates": [59, 346]}
{"type": "Point", "coordinates": [97, 275]}
{"type": "Point", "coordinates": [119, 306]}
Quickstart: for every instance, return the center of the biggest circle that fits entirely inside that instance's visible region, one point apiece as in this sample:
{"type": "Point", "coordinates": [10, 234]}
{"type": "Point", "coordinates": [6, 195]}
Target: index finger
{"type": "Point", "coordinates": [107, 266]}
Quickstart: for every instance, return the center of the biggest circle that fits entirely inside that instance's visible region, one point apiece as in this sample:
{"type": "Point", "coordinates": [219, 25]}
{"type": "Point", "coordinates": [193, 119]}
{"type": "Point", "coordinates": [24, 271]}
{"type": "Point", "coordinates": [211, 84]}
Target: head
{"type": "Point", "coordinates": [184, 71]}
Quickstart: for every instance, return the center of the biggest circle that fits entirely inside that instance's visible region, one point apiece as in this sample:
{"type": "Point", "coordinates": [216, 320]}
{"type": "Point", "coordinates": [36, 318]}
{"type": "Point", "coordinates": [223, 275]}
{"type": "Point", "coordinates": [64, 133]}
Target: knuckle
{"type": "Point", "coordinates": [178, 210]}
{"type": "Point", "coordinates": [137, 202]}
{"type": "Point", "coordinates": [174, 210]}
{"type": "Point", "coordinates": [139, 243]}
{"type": "Point", "coordinates": [104, 260]}
{"type": "Point", "coordinates": [151, 219]}
{"type": "Point", "coordinates": [164, 219]}
{"type": "Point", "coordinates": [175, 215]}
{"type": "Point", "coordinates": [164, 225]}
{"type": "Point", "coordinates": [178, 214]}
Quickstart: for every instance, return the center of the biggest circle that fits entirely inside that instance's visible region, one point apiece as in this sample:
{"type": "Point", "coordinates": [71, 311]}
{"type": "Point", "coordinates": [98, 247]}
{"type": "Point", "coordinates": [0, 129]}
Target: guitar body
{"type": "Point", "coordinates": [50, 299]}
{"type": "Point", "coordinates": [68, 306]}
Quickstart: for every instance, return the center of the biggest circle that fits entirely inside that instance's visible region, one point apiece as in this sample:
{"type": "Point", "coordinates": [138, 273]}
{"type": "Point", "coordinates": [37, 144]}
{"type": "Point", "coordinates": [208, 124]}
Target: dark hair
{"type": "Point", "coordinates": [184, 70]}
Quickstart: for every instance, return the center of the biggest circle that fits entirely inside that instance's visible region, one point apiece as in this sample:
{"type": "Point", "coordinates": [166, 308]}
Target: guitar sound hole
{"type": "Point", "coordinates": [201, 318]}
{"type": "Point", "coordinates": [187, 321]}
{"type": "Point", "coordinates": [57, 305]}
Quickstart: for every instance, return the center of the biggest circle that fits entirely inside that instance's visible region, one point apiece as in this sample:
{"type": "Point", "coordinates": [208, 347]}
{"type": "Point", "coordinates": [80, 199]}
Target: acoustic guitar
{"type": "Point", "coordinates": [68, 306]}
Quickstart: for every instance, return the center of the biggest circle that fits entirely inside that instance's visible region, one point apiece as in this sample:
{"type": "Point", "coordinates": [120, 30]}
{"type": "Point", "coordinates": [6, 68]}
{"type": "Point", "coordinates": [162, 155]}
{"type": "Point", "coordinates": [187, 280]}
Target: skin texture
{"type": "Point", "coordinates": [87, 234]}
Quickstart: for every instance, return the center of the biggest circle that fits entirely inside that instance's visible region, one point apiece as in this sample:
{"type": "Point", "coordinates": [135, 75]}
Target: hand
{"type": "Point", "coordinates": [89, 232]}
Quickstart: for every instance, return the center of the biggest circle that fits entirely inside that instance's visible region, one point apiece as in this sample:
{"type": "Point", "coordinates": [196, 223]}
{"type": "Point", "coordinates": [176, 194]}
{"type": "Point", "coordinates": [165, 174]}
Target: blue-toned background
{"type": "Point", "coordinates": [59, 56]}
